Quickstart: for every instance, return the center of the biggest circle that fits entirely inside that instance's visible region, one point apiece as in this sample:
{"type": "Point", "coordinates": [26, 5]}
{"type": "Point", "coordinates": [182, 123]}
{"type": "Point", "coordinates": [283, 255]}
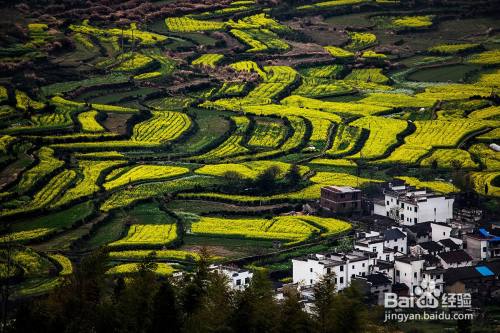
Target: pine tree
{"type": "Point", "coordinates": [256, 309]}
{"type": "Point", "coordinates": [215, 309]}
{"type": "Point", "coordinates": [195, 287]}
{"type": "Point", "coordinates": [348, 311]}
{"type": "Point", "coordinates": [135, 304]}
{"type": "Point", "coordinates": [165, 315]}
{"type": "Point", "coordinates": [324, 295]}
{"type": "Point", "coordinates": [293, 318]}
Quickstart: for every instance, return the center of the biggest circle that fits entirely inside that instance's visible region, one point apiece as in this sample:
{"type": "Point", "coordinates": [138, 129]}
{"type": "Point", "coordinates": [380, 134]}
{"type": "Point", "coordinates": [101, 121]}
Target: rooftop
{"type": "Point", "coordinates": [431, 246]}
{"type": "Point", "coordinates": [378, 279]}
{"type": "Point", "coordinates": [370, 240]}
{"type": "Point", "coordinates": [420, 229]}
{"type": "Point", "coordinates": [448, 243]}
{"type": "Point", "coordinates": [408, 259]}
{"type": "Point", "coordinates": [454, 257]}
{"type": "Point", "coordinates": [436, 271]}
{"type": "Point", "coordinates": [489, 270]}
{"type": "Point", "coordinates": [430, 260]}
{"type": "Point", "coordinates": [393, 234]}
{"type": "Point", "coordinates": [342, 189]}
{"type": "Point", "coordinates": [229, 269]}
{"type": "Point", "coordinates": [382, 264]}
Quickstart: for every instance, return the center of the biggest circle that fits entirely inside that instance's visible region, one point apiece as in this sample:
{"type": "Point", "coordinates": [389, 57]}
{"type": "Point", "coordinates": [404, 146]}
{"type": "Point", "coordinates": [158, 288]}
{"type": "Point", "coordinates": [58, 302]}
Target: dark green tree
{"type": "Point", "coordinates": [464, 326]}
{"type": "Point", "coordinates": [135, 304]}
{"type": "Point", "coordinates": [293, 176]}
{"type": "Point", "coordinates": [256, 308]}
{"type": "Point", "coordinates": [293, 318]}
{"type": "Point", "coordinates": [165, 315]}
{"type": "Point", "coordinates": [195, 286]}
{"type": "Point", "coordinates": [324, 295]}
{"type": "Point", "coordinates": [215, 309]}
{"type": "Point", "coordinates": [267, 180]}
{"type": "Point", "coordinates": [348, 311]}
{"type": "Point", "coordinates": [76, 306]}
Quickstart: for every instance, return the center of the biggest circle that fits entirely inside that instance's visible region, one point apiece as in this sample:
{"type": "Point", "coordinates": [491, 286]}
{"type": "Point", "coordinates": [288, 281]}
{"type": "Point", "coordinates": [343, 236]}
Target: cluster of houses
{"type": "Point", "coordinates": [424, 242]}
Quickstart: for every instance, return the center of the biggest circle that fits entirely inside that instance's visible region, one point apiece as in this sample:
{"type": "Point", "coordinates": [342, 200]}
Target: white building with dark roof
{"type": "Point", "coordinates": [419, 233]}
{"type": "Point", "coordinates": [408, 205]}
{"type": "Point", "coordinates": [396, 240]}
{"type": "Point", "coordinates": [455, 259]}
{"type": "Point", "coordinates": [342, 266]}
{"type": "Point", "coordinates": [429, 247]}
{"type": "Point", "coordinates": [435, 276]}
{"type": "Point", "coordinates": [376, 285]}
{"type": "Point", "coordinates": [238, 279]}
{"type": "Point", "coordinates": [440, 231]}
{"type": "Point", "coordinates": [386, 244]}
{"type": "Point", "coordinates": [450, 244]}
{"type": "Point", "coordinates": [408, 270]}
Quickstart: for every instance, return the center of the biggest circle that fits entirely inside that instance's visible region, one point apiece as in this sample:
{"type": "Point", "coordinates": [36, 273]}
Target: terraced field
{"type": "Point", "coordinates": [170, 130]}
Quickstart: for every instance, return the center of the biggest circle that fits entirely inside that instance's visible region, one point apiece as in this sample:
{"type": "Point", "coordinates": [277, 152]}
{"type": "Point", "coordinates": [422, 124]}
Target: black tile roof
{"type": "Point", "coordinates": [431, 246]}
{"type": "Point", "coordinates": [453, 257]}
{"type": "Point", "coordinates": [453, 275]}
{"type": "Point", "coordinates": [420, 229]}
{"type": "Point", "coordinates": [430, 259]}
{"type": "Point", "coordinates": [385, 264]}
{"type": "Point", "coordinates": [448, 243]}
{"type": "Point", "coordinates": [407, 259]}
{"type": "Point", "coordinates": [397, 182]}
{"type": "Point", "coordinates": [400, 287]}
{"type": "Point", "coordinates": [378, 279]}
{"type": "Point", "coordinates": [494, 266]}
{"type": "Point", "coordinates": [393, 234]}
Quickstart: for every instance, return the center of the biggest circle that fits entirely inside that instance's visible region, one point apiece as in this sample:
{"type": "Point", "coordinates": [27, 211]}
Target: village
{"type": "Point", "coordinates": [414, 239]}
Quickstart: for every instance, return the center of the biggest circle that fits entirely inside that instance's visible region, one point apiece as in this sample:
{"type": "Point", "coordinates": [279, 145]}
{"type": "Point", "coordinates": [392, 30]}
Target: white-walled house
{"type": "Point", "coordinates": [384, 244]}
{"type": "Point", "coordinates": [373, 244]}
{"type": "Point", "coordinates": [440, 231]}
{"type": "Point", "coordinates": [408, 270]}
{"type": "Point", "coordinates": [384, 267]}
{"type": "Point", "coordinates": [408, 205]}
{"type": "Point", "coordinates": [310, 270]}
{"type": "Point", "coordinates": [343, 266]}
{"type": "Point", "coordinates": [419, 233]}
{"type": "Point", "coordinates": [436, 276]}
{"type": "Point", "coordinates": [396, 240]}
{"type": "Point", "coordinates": [238, 279]}
{"type": "Point", "coordinates": [376, 284]}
